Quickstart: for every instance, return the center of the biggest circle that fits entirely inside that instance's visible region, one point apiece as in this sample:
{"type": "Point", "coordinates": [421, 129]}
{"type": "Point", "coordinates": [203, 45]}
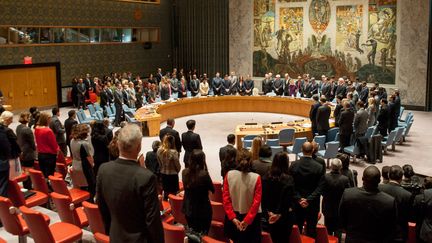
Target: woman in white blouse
{"type": "Point", "coordinates": [204, 87]}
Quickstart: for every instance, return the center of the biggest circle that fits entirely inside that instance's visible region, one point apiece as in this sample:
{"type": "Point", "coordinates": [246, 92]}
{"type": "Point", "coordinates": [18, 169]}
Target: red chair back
{"type": "Point", "coordinates": [217, 195]}
{"type": "Point", "coordinates": [65, 209]}
{"type": "Point", "coordinates": [101, 238]}
{"type": "Point", "coordinates": [9, 217]}
{"type": "Point", "coordinates": [173, 234]}
{"type": "Point", "coordinates": [37, 225]}
{"type": "Point", "coordinates": [321, 234]}
{"type": "Point", "coordinates": [59, 185]}
{"type": "Point", "coordinates": [218, 211]}
{"type": "Point", "coordinates": [94, 217]}
{"type": "Point", "coordinates": [176, 209]}
{"type": "Point", "coordinates": [265, 237]}
{"type": "Point", "coordinates": [62, 169]}
{"type": "Point", "coordinates": [296, 237]}
{"type": "Point", "coordinates": [38, 181]}
{"type": "Point", "coordinates": [15, 194]}
{"type": "Point", "coordinates": [208, 239]}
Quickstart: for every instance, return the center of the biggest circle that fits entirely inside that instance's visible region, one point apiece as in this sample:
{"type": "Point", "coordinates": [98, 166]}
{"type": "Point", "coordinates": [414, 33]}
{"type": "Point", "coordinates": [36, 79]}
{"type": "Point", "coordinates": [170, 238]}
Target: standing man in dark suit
{"type": "Point", "coordinates": [59, 130]}
{"type": "Point", "coordinates": [364, 92]}
{"type": "Point", "coordinates": [68, 125]}
{"type": "Point", "coordinates": [338, 109]}
{"type": "Point", "coordinates": [231, 143]}
{"type": "Point", "coordinates": [88, 82]}
{"type": "Point", "coordinates": [360, 120]}
{"type": "Point", "coordinates": [126, 183]}
{"type": "Point", "coordinates": [118, 104]}
{"type": "Point", "coordinates": [393, 114]}
{"type": "Point", "coordinates": [278, 85]}
{"type": "Point", "coordinates": [217, 84]}
{"type": "Point", "coordinates": [383, 118]}
{"type": "Point", "coordinates": [346, 120]}
{"type": "Point", "coordinates": [190, 141]}
{"type": "Point", "coordinates": [81, 93]}
{"type": "Point", "coordinates": [267, 84]}
{"type": "Point", "coordinates": [403, 201]}
{"type": "Point", "coordinates": [322, 117]}
{"type": "Point", "coordinates": [169, 129]}
{"type": "Point", "coordinates": [366, 213]}
{"type": "Point", "coordinates": [307, 174]}
{"type": "Point", "coordinates": [249, 85]}
{"type": "Point", "coordinates": [312, 114]}
{"type": "Point", "coordinates": [104, 99]}
{"type": "Point", "coordinates": [334, 186]}
{"type": "Point", "coordinates": [5, 154]}
{"type": "Point", "coordinates": [194, 85]}
{"type": "Point", "coordinates": [226, 85]}
{"type": "Point", "coordinates": [341, 88]}
{"type": "Point", "coordinates": [397, 102]}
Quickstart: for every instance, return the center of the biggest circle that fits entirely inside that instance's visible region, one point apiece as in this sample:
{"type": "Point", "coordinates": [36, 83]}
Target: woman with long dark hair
{"type": "Point", "coordinates": [242, 192]}
{"type": "Point", "coordinates": [278, 210]}
{"type": "Point", "coordinates": [197, 184]}
{"type": "Point", "coordinates": [100, 141]}
{"type": "Point", "coordinates": [168, 158]}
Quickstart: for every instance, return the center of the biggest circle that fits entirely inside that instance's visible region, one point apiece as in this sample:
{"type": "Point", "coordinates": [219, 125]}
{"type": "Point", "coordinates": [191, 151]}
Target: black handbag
{"type": "Point", "coordinates": [193, 237]}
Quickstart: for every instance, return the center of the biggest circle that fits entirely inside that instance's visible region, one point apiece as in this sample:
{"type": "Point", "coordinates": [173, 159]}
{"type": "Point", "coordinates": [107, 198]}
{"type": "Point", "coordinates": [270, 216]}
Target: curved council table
{"type": "Point", "coordinates": [200, 105]}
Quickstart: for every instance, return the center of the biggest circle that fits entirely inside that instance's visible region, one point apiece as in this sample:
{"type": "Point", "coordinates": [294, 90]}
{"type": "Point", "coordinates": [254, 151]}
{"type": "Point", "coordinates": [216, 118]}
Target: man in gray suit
{"type": "Point", "coordinates": [59, 130]}
{"type": "Point", "coordinates": [361, 120]}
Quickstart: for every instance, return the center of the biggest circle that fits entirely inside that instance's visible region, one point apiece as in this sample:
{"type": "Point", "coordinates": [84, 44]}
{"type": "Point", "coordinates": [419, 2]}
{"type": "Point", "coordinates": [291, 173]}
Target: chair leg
{"type": "Point", "coordinates": [328, 163]}
{"type": "Point", "coordinates": [22, 238]}
{"type": "Point", "coordinates": [354, 158]}
{"type": "Point", "coordinates": [394, 146]}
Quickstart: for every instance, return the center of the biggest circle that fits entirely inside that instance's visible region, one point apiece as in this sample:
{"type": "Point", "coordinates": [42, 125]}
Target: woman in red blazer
{"type": "Point", "coordinates": [46, 145]}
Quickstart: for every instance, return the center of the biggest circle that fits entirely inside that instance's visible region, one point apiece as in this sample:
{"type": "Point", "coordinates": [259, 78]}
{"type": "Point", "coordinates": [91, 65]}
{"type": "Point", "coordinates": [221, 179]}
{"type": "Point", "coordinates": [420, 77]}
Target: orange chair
{"type": "Point", "coordinates": [13, 221]}
{"type": "Point", "coordinates": [411, 233]}
{"type": "Point", "coordinates": [265, 237]}
{"type": "Point", "coordinates": [61, 169]}
{"type": "Point", "coordinates": [2, 240]}
{"type": "Point", "coordinates": [181, 188]}
{"type": "Point", "coordinates": [217, 224]}
{"type": "Point", "coordinates": [101, 238]}
{"type": "Point", "coordinates": [208, 239]}
{"type": "Point", "coordinates": [42, 233]}
{"type": "Point", "coordinates": [323, 237]}
{"type": "Point", "coordinates": [77, 195]}
{"type": "Point", "coordinates": [68, 212]}
{"type": "Point", "coordinates": [21, 177]}
{"type": "Point", "coordinates": [296, 237]}
{"type": "Point", "coordinates": [17, 197]}
{"type": "Point", "coordinates": [176, 203]}
{"type": "Point", "coordinates": [173, 234]}
{"type": "Point", "coordinates": [38, 181]}
{"type": "Point", "coordinates": [94, 217]}
{"type": "Point", "coordinates": [217, 195]}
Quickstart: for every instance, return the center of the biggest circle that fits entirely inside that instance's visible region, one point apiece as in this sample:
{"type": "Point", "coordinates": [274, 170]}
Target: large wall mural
{"type": "Point", "coordinates": [326, 37]}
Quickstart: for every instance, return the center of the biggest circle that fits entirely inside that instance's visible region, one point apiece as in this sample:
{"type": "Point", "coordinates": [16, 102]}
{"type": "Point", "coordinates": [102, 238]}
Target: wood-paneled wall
{"type": "Point", "coordinates": [200, 35]}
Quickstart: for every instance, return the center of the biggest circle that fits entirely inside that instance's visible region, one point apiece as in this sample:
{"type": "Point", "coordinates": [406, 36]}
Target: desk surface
{"type": "Point", "coordinates": [201, 105]}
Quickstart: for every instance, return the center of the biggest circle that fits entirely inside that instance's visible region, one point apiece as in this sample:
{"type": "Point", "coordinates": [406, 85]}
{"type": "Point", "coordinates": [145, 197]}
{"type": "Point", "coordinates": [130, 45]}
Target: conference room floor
{"type": "Point", "coordinates": [213, 129]}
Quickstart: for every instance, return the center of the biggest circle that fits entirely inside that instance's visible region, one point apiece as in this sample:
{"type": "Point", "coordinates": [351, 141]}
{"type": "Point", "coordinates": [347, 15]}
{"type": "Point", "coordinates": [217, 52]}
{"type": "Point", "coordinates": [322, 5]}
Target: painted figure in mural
{"type": "Point", "coordinates": [357, 36]}
{"type": "Point", "coordinates": [279, 37]}
{"type": "Point", "coordinates": [286, 53]}
{"type": "Point", "coordinates": [372, 53]}
{"type": "Point", "coordinates": [257, 35]}
{"type": "Point", "coordinates": [384, 57]}
{"type": "Point", "coordinates": [266, 34]}
{"type": "Point", "coordinates": [392, 47]}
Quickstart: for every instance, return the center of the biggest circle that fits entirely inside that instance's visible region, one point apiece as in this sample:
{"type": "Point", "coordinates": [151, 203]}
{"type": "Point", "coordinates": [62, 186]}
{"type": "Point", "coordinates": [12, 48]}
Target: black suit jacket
{"type": "Point", "coordinates": [307, 175]}
{"type": "Point", "coordinates": [383, 118]}
{"type": "Point", "coordinates": [104, 100]}
{"type": "Point", "coordinates": [334, 186]}
{"type": "Point", "coordinates": [322, 118]}
{"type": "Point", "coordinates": [129, 203]}
{"type": "Point", "coordinates": [223, 151]}
{"type": "Point", "coordinates": [68, 124]}
{"type": "Point", "coordinates": [190, 141]}
{"type": "Point", "coordinates": [346, 120]}
{"type": "Point", "coordinates": [403, 202]}
{"type": "Point", "coordinates": [367, 216]}
{"type": "Point", "coordinates": [312, 114]}
{"type": "Point", "coordinates": [393, 116]}
{"type": "Point", "coordinates": [174, 133]}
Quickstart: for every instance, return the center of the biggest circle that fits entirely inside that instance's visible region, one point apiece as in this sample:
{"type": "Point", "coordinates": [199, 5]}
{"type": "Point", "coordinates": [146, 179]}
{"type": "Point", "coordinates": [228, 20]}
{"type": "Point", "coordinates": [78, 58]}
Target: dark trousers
{"type": "Point", "coordinates": [47, 163]}
{"type": "Point", "coordinates": [4, 177]}
{"type": "Point", "coordinates": [344, 140]}
{"type": "Point", "coordinates": [308, 215]}
{"type": "Point", "coordinates": [63, 148]}
{"type": "Point", "coordinates": [252, 234]}
{"type": "Point", "coordinates": [118, 115]}
{"type": "Point", "coordinates": [322, 132]}
{"type": "Point", "coordinates": [170, 184]}
{"type": "Point", "coordinates": [199, 224]}
{"type": "Point", "coordinates": [280, 231]}
{"type": "Point", "coordinates": [332, 225]}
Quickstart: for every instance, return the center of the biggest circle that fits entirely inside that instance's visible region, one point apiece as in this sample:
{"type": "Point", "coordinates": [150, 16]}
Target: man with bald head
{"type": "Point", "coordinates": [366, 213]}
{"type": "Point", "coordinates": [307, 174]}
